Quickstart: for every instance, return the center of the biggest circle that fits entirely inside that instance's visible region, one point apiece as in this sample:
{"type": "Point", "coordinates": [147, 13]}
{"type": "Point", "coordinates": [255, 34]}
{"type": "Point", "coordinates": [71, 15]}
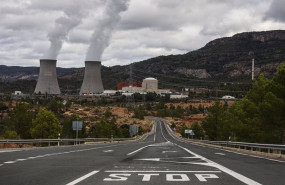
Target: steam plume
{"type": "Point", "coordinates": [101, 36]}
{"type": "Point", "coordinates": [72, 17]}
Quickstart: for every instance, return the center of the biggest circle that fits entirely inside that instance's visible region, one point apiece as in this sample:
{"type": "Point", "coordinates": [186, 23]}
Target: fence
{"type": "Point", "coordinates": [269, 148]}
{"type": "Point", "coordinates": [37, 142]}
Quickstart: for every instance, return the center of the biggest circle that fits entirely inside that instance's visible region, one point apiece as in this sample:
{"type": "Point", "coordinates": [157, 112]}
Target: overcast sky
{"type": "Point", "coordinates": [148, 28]}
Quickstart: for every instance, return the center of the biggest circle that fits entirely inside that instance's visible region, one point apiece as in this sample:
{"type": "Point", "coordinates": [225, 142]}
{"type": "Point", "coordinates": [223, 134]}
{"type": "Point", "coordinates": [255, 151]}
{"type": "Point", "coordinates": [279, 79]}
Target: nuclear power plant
{"type": "Point", "coordinates": [47, 81]}
{"type": "Point", "coordinates": [92, 82]}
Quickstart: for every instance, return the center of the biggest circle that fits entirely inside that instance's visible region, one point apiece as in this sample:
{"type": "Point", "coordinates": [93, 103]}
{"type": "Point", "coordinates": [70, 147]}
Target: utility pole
{"type": "Point", "coordinates": [251, 54]}
{"type": "Point", "coordinates": [130, 99]}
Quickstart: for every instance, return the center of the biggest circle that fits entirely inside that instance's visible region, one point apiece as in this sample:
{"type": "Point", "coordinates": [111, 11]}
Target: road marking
{"type": "Point", "coordinates": [141, 171]}
{"type": "Point", "coordinates": [149, 159]}
{"type": "Point", "coordinates": [60, 153]}
{"type": "Point", "coordinates": [9, 162]}
{"type": "Point", "coordinates": [183, 177]}
{"type": "Point", "coordinates": [107, 151]}
{"type": "Point", "coordinates": [118, 177]}
{"type": "Point", "coordinates": [137, 150]}
{"type": "Point", "coordinates": [146, 177]}
{"type": "Point", "coordinates": [204, 177]}
{"type": "Point", "coordinates": [220, 154]}
{"type": "Point", "coordinates": [82, 178]}
{"type": "Point", "coordinates": [168, 152]}
{"type": "Point", "coordinates": [218, 166]}
{"type": "Point", "coordinates": [21, 159]}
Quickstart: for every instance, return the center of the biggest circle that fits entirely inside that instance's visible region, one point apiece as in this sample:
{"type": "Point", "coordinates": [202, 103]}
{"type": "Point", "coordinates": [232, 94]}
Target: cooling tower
{"type": "Point", "coordinates": [92, 82]}
{"type": "Point", "coordinates": [47, 82]}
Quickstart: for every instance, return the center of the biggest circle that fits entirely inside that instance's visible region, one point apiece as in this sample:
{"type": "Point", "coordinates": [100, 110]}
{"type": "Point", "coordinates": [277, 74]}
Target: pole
{"type": "Point", "coordinates": [76, 132]}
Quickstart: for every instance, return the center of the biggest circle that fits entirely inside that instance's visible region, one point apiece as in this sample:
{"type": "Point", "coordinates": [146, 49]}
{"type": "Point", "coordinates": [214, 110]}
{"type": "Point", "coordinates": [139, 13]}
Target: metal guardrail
{"type": "Point", "coordinates": [269, 148]}
{"type": "Point", "coordinates": [21, 142]}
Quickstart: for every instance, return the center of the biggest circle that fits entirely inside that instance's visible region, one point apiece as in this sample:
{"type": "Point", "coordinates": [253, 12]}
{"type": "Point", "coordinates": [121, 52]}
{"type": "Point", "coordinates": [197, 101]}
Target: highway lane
{"type": "Point", "coordinates": [159, 159]}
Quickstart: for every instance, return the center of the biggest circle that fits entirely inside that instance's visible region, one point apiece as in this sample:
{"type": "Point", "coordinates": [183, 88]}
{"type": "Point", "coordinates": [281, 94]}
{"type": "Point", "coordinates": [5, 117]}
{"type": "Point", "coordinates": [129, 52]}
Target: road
{"type": "Point", "coordinates": [160, 158]}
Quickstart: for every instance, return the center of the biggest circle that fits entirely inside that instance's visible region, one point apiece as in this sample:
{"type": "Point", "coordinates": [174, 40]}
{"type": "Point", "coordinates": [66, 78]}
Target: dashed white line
{"type": "Point", "coordinates": [9, 162]}
{"type": "Point", "coordinates": [220, 154]}
{"type": "Point", "coordinates": [82, 178]}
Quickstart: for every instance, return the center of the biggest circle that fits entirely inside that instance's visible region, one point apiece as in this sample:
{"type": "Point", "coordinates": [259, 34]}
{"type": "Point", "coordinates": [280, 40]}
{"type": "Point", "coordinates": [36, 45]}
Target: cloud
{"type": "Point", "coordinates": [276, 10]}
{"type": "Point", "coordinates": [147, 29]}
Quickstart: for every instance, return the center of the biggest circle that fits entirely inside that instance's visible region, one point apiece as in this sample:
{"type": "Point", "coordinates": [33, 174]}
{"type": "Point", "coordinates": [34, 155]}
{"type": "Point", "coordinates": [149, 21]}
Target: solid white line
{"type": "Point", "coordinates": [236, 175]}
{"type": "Point", "coordinates": [82, 178]}
{"type": "Point", "coordinates": [130, 171]}
{"type": "Point", "coordinates": [137, 150]}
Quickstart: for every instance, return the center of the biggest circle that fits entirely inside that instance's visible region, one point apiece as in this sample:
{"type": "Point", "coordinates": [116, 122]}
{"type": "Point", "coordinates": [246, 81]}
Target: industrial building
{"type": "Point", "coordinates": [126, 84]}
{"type": "Point", "coordinates": [47, 81]}
{"type": "Point", "coordinates": [92, 82]}
{"type": "Point", "coordinates": [148, 85]}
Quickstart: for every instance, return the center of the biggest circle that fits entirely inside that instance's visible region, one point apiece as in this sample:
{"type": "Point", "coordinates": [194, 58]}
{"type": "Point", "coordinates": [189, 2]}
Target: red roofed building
{"type": "Point", "coordinates": [127, 84]}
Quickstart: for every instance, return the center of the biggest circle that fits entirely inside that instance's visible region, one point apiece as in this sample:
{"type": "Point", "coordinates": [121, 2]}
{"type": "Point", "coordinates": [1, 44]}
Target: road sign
{"type": "Point", "coordinates": [77, 125]}
{"type": "Point", "coordinates": [189, 132]}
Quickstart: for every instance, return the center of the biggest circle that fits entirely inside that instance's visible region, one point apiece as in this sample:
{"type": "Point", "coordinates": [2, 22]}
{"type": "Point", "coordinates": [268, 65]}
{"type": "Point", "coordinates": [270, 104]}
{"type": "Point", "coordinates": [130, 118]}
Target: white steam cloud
{"type": "Point", "coordinates": [73, 14]}
{"type": "Point", "coordinates": [101, 36]}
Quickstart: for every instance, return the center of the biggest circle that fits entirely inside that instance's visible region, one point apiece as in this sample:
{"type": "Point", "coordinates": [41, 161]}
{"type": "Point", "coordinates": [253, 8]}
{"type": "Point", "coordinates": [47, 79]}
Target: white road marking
{"type": "Point", "coordinates": [220, 167]}
{"type": "Point", "coordinates": [137, 150]}
{"type": "Point", "coordinates": [118, 177]}
{"type": "Point", "coordinates": [21, 159]}
{"type": "Point", "coordinates": [220, 153]}
{"type": "Point", "coordinates": [168, 152]}
{"type": "Point", "coordinates": [149, 159]}
{"type": "Point", "coordinates": [107, 151]}
{"type": "Point", "coordinates": [141, 171]}
{"type": "Point", "coordinates": [82, 178]}
{"type": "Point", "coordinates": [146, 177]}
{"type": "Point", "coordinates": [181, 177]}
{"type": "Point", "coordinates": [9, 162]}
{"type": "Point", "coordinates": [204, 177]}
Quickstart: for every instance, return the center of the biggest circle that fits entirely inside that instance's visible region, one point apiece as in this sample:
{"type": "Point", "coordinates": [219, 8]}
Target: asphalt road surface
{"type": "Point", "coordinates": [160, 158]}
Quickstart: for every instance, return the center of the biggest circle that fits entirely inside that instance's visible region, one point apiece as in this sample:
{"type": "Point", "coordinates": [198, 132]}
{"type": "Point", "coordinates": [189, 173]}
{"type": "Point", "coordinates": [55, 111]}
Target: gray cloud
{"type": "Point", "coordinates": [276, 10]}
{"type": "Point", "coordinates": [147, 29]}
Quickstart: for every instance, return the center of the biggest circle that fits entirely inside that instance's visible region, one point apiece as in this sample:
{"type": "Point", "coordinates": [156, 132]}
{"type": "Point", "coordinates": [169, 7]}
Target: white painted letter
{"type": "Point", "coordinates": [119, 177]}
{"type": "Point", "coordinates": [204, 177]}
{"type": "Point", "coordinates": [183, 177]}
{"type": "Point", "coordinates": [146, 177]}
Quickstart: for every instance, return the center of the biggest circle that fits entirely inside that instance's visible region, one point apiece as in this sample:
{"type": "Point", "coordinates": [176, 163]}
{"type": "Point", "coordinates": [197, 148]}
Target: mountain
{"type": "Point", "coordinates": [222, 60]}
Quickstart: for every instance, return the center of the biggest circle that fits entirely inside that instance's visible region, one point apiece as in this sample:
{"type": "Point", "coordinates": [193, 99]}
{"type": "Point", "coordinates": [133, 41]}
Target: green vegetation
{"type": "Point", "coordinates": [259, 117]}
{"type": "Point", "coordinates": [45, 126]}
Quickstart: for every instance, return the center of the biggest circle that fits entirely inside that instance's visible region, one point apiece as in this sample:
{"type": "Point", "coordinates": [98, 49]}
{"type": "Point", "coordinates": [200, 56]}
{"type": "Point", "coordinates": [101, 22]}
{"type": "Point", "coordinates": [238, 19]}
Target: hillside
{"type": "Point", "coordinates": [224, 59]}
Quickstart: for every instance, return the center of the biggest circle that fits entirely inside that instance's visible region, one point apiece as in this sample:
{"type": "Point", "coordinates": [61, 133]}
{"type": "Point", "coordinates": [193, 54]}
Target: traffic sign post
{"type": "Point", "coordinates": [190, 132]}
{"type": "Point", "coordinates": [77, 125]}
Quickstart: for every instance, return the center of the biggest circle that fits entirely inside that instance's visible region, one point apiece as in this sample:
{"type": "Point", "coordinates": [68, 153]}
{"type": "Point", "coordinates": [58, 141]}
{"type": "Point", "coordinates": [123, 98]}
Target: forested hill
{"type": "Point", "coordinates": [223, 59]}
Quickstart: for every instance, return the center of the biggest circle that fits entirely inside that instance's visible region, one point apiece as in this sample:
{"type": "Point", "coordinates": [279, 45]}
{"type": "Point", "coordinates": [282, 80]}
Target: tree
{"type": "Point", "coordinates": [10, 134]}
{"type": "Point", "coordinates": [211, 122]}
{"type": "Point", "coordinates": [197, 129]}
{"type": "Point", "coordinates": [45, 126]}
{"type": "Point", "coordinates": [21, 120]}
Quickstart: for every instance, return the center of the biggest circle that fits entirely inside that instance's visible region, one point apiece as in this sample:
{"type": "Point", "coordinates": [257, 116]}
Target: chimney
{"type": "Point", "coordinates": [92, 82]}
{"type": "Point", "coordinates": [47, 82]}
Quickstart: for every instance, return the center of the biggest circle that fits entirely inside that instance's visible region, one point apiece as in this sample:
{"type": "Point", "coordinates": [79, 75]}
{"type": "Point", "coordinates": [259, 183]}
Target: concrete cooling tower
{"type": "Point", "coordinates": [92, 82]}
{"type": "Point", "coordinates": [47, 82]}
